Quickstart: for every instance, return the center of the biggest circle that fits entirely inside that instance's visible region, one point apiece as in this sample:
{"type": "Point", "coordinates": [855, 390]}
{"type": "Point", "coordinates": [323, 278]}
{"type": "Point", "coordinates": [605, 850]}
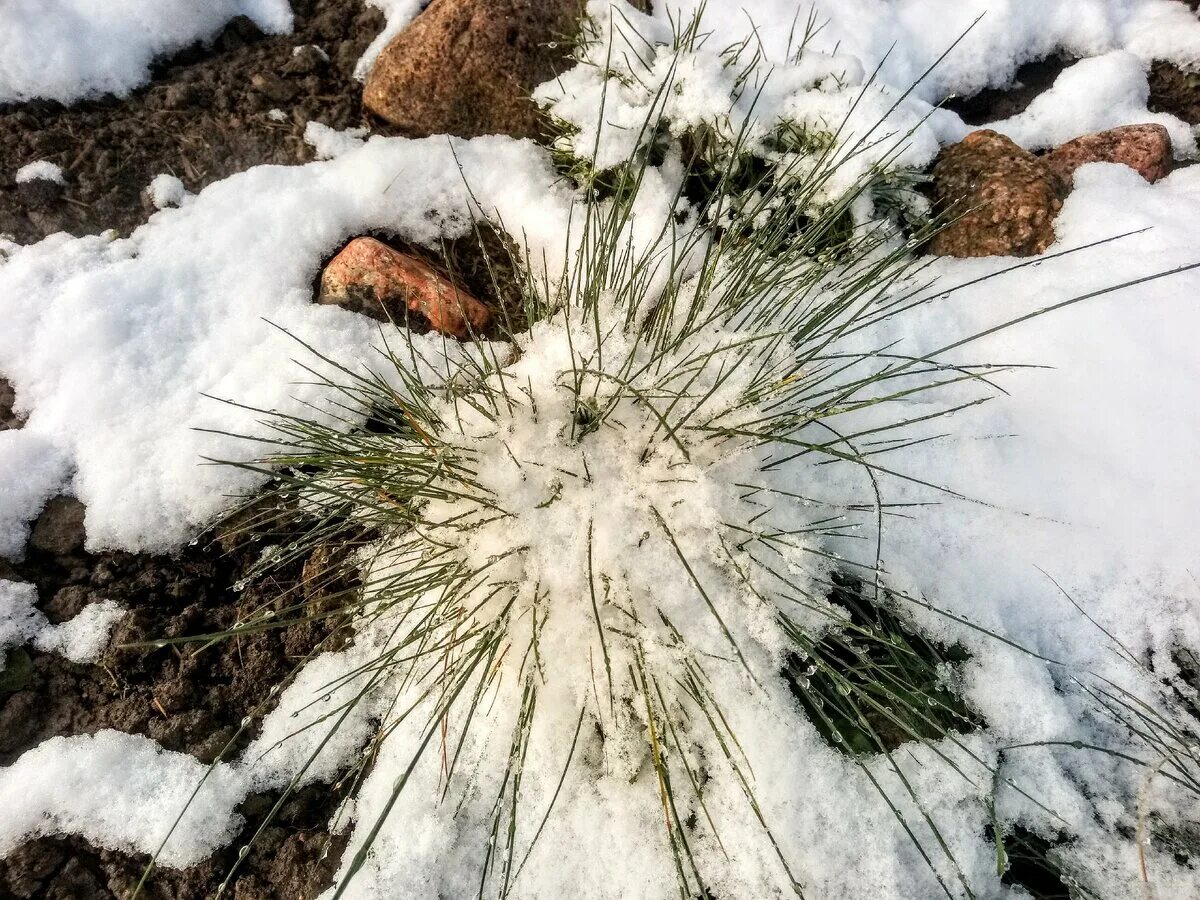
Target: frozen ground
{"type": "Point", "coordinates": [1081, 474]}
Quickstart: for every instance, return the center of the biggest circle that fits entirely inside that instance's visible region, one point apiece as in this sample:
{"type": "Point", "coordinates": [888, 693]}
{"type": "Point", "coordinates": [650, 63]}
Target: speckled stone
{"type": "Point", "coordinates": [1004, 198]}
{"type": "Point", "coordinates": [467, 67]}
{"type": "Point", "coordinates": [1146, 148]}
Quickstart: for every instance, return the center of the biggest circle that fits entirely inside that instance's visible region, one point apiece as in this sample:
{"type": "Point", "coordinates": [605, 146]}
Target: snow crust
{"type": "Point", "coordinates": [66, 50]}
{"type": "Point", "coordinates": [40, 170]}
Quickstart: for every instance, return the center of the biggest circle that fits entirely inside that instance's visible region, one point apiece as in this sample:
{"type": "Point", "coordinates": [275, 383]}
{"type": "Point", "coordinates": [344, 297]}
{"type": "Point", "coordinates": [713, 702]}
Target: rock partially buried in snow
{"type": "Point", "coordinates": [372, 278]}
{"type": "Point", "coordinates": [1146, 148]}
{"type": "Point", "coordinates": [467, 67]}
{"type": "Point", "coordinates": [40, 183]}
{"type": "Point", "coordinates": [1003, 197]}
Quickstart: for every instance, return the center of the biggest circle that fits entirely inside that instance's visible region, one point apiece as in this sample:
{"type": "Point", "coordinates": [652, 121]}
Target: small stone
{"type": "Point", "coordinates": [67, 603]}
{"type": "Point", "coordinates": [370, 277]}
{"type": "Point", "coordinates": [1146, 148]}
{"type": "Point", "coordinates": [468, 67]}
{"type": "Point", "coordinates": [8, 399]}
{"type": "Point", "coordinates": [59, 529]}
{"type": "Point", "coordinates": [40, 184]}
{"type": "Point", "coordinates": [1003, 199]}
{"type": "Point", "coordinates": [306, 59]}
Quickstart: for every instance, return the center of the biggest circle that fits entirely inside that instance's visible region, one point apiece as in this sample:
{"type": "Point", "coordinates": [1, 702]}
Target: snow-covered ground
{"type": "Point", "coordinates": [1082, 475]}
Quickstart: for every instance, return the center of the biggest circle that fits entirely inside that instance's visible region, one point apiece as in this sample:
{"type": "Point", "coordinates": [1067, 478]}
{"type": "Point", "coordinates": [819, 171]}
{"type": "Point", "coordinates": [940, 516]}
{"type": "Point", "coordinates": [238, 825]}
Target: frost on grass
{"type": "Point", "coordinates": [596, 549]}
{"type": "Point", "coordinates": [66, 50]}
{"type": "Point", "coordinates": [643, 85]}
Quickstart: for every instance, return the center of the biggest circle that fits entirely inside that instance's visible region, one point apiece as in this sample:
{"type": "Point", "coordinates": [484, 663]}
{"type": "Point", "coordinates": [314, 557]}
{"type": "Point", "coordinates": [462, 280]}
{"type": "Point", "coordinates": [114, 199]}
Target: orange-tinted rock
{"type": "Point", "coordinates": [467, 67]}
{"type": "Point", "coordinates": [1002, 197]}
{"type": "Point", "coordinates": [370, 277]}
{"type": "Point", "coordinates": [1146, 148]}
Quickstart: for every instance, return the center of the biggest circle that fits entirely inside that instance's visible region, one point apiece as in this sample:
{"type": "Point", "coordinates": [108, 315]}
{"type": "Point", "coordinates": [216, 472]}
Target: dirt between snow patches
{"type": "Point", "coordinates": [202, 118]}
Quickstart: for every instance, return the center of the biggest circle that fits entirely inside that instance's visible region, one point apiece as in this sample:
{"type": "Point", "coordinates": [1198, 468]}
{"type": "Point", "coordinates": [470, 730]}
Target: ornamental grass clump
{"type": "Point", "coordinates": [600, 628]}
{"type": "Point", "coordinates": [592, 578]}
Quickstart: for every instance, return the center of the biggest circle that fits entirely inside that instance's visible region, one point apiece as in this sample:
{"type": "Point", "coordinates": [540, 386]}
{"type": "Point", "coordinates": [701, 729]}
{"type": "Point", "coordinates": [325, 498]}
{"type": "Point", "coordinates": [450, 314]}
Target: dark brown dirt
{"type": "Point", "coordinates": [994, 104]}
{"type": "Point", "coordinates": [202, 118]}
{"type": "Point", "coordinates": [1174, 91]}
{"type": "Point", "coordinates": [188, 700]}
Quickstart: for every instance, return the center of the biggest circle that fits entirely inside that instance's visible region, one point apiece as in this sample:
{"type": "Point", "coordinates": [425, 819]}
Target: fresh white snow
{"type": "Point", "coordinates": [166, 190]}
{"type": "Point", "coordinates": [70, 49]}
{"type": "Point", "coordinates": [40, 170]}
{"type": "Point", "coordinates": [80, 639]}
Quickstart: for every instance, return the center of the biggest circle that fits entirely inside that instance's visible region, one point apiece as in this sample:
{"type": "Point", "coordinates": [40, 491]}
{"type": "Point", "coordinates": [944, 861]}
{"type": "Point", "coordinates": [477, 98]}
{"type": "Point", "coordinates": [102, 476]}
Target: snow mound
{"type": "Point", "coordinates": [41, 170]}
{"type": "Point", "coordinates": [1094, 95]}
{"type": "Point", "coordinates": [121, 792]}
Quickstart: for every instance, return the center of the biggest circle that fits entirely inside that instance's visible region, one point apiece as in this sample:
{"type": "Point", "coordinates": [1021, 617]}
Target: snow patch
{"type": "Point", "coordinates": [167, 190]}
{"type": "Point", "coordinates": [1094, 95]}
{"type": "Point", "coordinates": [111, 343]}
{"type": "Point", "coordinates": [121, 792]}
{"type": "Point", "coordinates": [81, 639]}
{"type": "Point", "coordinates": [398, 14]}
{"type": "Point", "coordinates": [330, 143]}
{"type": "Point", "coordinates": [41, 170]}
{"type": "Point", "coordinates": [66, 50]}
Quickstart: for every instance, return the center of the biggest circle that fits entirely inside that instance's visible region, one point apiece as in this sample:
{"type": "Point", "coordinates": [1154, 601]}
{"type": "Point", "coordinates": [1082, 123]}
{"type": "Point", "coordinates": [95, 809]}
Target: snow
{"type": "Point", "coordinates": [111, 344]}
{"type": "Point", "coordinates": [67, 50]}
{"type": "Point", "coordinates": [328, 143]}
{"type": "Point", "coordinates": [397, 13]}
{"type": "Point", "coordinates": [1080, 475]}
{"type": "Point", "coordinates": [1094, 95]}
{"type": "Point", "coordinates": [905, 38]}
{"type": "Point", "coordinates": [80, 639]}
{"type": "Point", "coordinates": [167, 190]}
{"type": "Point", "coordinates": [41, 170]}
{"type": "Point", "coordinates": [121, 792]}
